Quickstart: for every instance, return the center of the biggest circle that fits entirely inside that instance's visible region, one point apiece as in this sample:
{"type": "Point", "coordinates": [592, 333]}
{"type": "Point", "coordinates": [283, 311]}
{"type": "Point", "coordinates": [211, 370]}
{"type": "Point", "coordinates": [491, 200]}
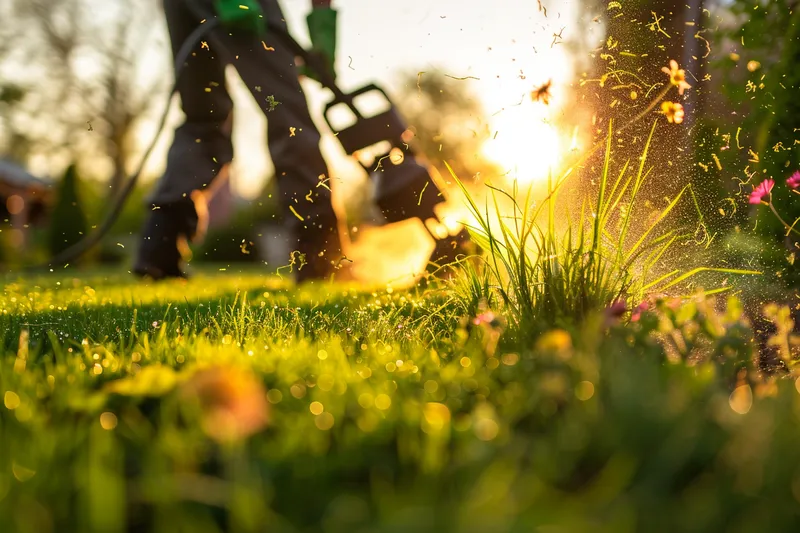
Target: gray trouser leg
{"type": "Point", "coordinates": [202, 145]}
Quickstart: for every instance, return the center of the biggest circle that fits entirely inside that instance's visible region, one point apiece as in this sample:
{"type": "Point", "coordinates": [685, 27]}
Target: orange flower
{"type": "Point", "coordinates": [673, 111]}
{"type": "Point", "coordinates": [232, 402]}
{"type": "Point", "coordinates": [677, 76]}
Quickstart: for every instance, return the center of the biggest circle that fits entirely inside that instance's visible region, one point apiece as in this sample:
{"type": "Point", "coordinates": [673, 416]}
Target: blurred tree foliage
{"type": "Point", "coordinates": [760, 80]}
{"type": "Point", "coordinates": [88, 79]}
{"type": "Point", "coordinates": [448, 121]}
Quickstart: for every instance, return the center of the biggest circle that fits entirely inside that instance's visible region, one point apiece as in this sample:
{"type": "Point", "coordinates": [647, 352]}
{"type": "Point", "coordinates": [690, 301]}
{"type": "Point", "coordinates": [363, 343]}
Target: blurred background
{"type": "Point", "coordinates": [509, 91]}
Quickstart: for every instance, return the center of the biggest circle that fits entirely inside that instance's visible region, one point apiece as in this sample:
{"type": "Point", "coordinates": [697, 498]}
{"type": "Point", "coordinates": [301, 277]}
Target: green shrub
{"type": "Point", "coordinates": [3, 236]}
{"type": "Point", "coordinates": [67, 221]}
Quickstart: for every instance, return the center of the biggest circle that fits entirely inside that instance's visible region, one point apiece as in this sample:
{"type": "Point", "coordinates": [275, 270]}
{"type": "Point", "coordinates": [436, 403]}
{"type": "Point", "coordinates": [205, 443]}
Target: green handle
{"type": "Point", "coordinates": [322, 31]}
{"type": "Point", "coordinates": [245, 15]}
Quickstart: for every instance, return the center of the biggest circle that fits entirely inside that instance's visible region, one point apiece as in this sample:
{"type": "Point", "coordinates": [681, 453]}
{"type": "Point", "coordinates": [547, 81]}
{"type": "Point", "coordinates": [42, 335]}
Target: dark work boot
{"type": "Point", "coordinates": [159, 256]}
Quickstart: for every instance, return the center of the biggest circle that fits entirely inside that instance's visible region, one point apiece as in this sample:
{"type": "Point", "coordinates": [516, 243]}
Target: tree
{"type": "Point", "coordinates": [68, 221]}
{"type": "Point", "coordinates": [624, 77]}
{"type": "Point", "coordinates": [125, 97]}
{"type": "Point", "coordinates": [85, 81]}
{"type": "Point", "coordinates": [641, 37]}
{"type": "Point", "coordinates": [448, 122]}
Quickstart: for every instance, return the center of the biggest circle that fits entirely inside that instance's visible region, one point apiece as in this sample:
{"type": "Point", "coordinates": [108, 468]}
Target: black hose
{"type": "Point", "coordinates": [210, 23]}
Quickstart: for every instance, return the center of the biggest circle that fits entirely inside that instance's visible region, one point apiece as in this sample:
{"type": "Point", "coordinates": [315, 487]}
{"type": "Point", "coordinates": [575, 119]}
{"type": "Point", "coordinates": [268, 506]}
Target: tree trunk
{"type": "Point", "coordinates": [642, 36]}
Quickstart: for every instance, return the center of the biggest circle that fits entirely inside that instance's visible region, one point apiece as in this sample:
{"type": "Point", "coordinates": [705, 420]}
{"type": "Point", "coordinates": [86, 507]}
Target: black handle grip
{"type": "Point", "coordinates": [348, 100]}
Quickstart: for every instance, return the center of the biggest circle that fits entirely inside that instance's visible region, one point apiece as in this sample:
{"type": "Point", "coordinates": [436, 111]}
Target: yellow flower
{"type": "Point", "coordinates": [555, 340]}
{"type": "Point", "coordinates": [673, 111]}
{"type": "Point", "coordinates": [677, 76]}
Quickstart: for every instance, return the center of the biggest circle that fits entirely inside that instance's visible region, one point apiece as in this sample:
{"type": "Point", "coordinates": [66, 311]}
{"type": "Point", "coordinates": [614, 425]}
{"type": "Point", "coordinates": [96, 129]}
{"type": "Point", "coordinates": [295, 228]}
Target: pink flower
{"type": "Point", "coordinates": [763, 189]}
{"type": "Point", "coordinates": [488, 319]}
{"type": "Point", "coordinates": [617, 309]}
{"type": "Point", "coordinates": [636, 315]}
{"type": "Point", "coordinates": [613, 313]}
{"type": "Point", "coordinates": [794, 180]}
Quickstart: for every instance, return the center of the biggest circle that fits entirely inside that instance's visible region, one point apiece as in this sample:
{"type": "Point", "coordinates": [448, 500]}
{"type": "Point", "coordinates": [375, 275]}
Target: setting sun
{"type": "Point", "coordinates": [525, 147]}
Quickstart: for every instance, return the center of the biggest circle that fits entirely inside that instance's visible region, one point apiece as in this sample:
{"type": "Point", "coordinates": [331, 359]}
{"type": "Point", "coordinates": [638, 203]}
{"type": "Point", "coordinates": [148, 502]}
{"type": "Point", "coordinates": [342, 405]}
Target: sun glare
{"type": "Point", "coordinates": [525, 147]}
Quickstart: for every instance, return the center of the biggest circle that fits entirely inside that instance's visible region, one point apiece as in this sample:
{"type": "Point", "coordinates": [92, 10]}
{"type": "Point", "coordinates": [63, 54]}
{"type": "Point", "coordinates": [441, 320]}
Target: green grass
{"type": "Point", "coordinates": [618, 251]}
{"type": "Point", "coordinates": [423, 421]}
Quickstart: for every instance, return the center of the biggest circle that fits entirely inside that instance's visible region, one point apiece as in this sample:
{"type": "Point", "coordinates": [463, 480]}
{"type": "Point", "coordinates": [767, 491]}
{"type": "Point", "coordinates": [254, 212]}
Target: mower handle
{"type": "Point", "coordinates": [349, 98]}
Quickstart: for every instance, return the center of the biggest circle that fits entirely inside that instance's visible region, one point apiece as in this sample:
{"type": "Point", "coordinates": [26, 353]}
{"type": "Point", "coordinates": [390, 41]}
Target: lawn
{"type": "Point", "coordinates": [617, 351]}
{"type": "Point", "coordinates": [235, 402]}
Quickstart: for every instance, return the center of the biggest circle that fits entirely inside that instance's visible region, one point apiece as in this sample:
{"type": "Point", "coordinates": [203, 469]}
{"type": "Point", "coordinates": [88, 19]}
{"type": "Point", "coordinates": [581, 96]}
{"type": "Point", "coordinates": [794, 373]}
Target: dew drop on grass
{"type": "Point", "coordinates": [11, 400]}
{"type": "Point", "coordinates": [274, 396]}
{"type": "Point", "coordinates": [510, 359]}
{"type": "Point", "coordinates": [486, 429]}
{"type": "Point", "coordinates": [324, 421]}
{"type": "Point", "coordinates": [741, 399]}
{"type": "Point", "coordinates": [584, 391]}
{"type": "Point", "coordinates": [108, 421]}
{"type": "Point", "coordinates": [365, 400]}
{"type": "Point", "coordinates": [316, 408]}
{"type": "Point", "coordinates": [325, 382]}
{"type": "Point", "coordinates": [22, 473]}
{"type": "Point", "coordinates": [298, 390]}
{"type": "Point", "coordinates": [383, 402]}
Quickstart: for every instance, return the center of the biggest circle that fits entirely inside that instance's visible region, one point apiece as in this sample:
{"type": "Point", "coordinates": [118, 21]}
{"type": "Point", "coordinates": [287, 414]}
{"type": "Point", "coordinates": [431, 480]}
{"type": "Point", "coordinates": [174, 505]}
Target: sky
{"type": "Point", "coordinates": [504, 47]}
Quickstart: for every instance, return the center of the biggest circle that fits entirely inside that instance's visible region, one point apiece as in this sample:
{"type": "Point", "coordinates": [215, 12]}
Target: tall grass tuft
{"type": "Point", "coordinates": [546, 276]}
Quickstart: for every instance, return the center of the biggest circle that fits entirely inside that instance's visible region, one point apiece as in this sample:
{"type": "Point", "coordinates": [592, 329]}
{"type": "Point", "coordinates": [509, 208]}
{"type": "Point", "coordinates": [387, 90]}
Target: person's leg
{"type": "Point", "coordinates": [201, 150]}
{"type": "Point", "coordinates": [268, 69]}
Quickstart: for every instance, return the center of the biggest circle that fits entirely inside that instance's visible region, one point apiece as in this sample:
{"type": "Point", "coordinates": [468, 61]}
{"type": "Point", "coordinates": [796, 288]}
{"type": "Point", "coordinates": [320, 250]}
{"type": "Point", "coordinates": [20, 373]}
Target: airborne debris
{"type": "Point", "coordinates": [542, 92]}
{"type": "Point", "coordinates": [557, 37]}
